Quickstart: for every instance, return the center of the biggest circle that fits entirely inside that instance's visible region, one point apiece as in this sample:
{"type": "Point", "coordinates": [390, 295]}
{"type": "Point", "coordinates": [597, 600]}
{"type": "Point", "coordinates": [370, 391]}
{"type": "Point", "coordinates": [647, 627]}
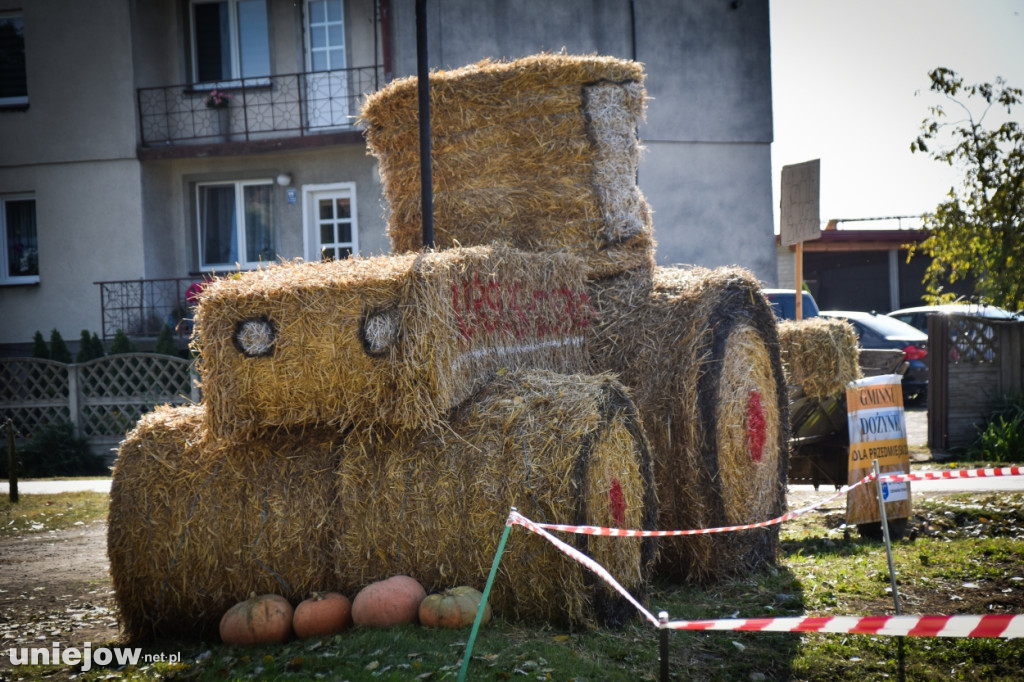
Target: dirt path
{"type": "Point", "coordinates": [54, 587]}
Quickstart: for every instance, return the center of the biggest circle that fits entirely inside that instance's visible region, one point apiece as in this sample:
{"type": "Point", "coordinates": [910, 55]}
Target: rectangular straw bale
{"type": "Point", "coordinates": [540, 152]}
{"type": "Point", "coordinates": [820, 355]}
{"type": "Point", "coordinates": [196, 523]}
{"type": "Point", "coordinates": [400, 340]}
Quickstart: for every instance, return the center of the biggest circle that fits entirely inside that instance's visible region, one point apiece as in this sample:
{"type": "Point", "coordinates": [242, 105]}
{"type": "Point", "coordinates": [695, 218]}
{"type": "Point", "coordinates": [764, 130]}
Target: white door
{"type": "Point", "coordinates": [326, 79]}
{"type": "Point", "coordinates": [330, 217]}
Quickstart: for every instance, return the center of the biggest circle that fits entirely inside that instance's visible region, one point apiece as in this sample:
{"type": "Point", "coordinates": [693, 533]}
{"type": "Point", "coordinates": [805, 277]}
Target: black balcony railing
{"type": "Point", "coordinates": [141, 307]}
{"type": "Point", "coordinates": [259, 108]}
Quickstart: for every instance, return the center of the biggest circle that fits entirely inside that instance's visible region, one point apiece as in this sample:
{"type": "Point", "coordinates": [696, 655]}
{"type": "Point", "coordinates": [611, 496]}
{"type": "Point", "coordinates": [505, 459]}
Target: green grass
{"type": "Point", "coordinates": [42, 513]}
{"type": "Point", "coordinates": [824, 568]}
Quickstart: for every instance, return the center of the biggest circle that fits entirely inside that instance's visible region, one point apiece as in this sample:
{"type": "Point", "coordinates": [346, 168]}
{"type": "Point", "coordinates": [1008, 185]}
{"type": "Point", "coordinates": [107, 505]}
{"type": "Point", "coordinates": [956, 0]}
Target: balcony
{"type": "Point", "coordinates": [141, 307]}
{"type": "Point", "coordinates": [266, 108]}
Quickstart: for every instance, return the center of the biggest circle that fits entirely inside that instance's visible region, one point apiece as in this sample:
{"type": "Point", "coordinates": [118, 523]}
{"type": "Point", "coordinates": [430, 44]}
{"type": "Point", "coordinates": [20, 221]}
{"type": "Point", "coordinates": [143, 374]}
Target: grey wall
{"type": "Point", "coordinates": [70, 150]}
{"type": "Point", "coordinates": [707, 170]}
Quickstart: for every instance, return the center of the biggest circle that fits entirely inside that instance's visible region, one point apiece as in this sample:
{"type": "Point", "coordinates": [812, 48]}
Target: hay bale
{"type": "Point", "coordinates": [196, 524]}
{"type": "Point", "coordinates": [399, 340]}
{"type": "Point", "coordinates": [540, 152]}
{"type": "Point", "coordinates": [699, 351]}
{"type": "Point", "coordinates": [820, 355]}
{"type": "Point", "coordinates": [553, 446]}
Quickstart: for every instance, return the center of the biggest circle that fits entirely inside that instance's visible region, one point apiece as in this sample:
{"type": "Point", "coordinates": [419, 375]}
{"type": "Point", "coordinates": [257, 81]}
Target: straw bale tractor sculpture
{"type": "Point", "coordinates": [379, 416]}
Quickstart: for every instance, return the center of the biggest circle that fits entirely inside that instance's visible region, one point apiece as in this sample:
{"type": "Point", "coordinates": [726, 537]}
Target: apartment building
{"type": "Point", "coordinates": [148, 144]}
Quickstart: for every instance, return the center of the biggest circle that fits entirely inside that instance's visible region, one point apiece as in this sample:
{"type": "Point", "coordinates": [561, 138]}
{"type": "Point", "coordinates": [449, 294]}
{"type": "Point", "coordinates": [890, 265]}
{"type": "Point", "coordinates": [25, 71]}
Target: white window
{"type": "Point", "coordinates": [20, 246]}
{"type": "Point", "coordinates": [235, 224]}
{"type": "Point", "coordinates": [13, 82]}
{"type": "Point", "coordinates": [229, 40]}
{"type": "Point", "coordinates": [330, 219]}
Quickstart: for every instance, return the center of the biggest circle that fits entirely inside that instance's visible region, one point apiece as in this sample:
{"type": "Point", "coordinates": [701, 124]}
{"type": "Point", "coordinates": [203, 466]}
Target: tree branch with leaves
{"type": "Point", "coordinates": [978, 232]}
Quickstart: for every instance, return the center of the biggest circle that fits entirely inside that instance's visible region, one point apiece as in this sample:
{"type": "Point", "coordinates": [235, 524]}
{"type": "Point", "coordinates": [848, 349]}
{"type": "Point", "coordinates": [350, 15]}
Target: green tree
{"type": "Point", "coordinates": [58, 349]}
{"type": "Point", "coordinates": [121, 343]}
{"type": "Point", "coordinates": [979, 231]}
{"type": "Point", "coordinates": [89, 347]}
{"type": "Point", "coordinates": [39, 347]}
{"type": "Point", "coordinates": [165, 344]}
{"type": "Point", "coordinates": [97, 346]}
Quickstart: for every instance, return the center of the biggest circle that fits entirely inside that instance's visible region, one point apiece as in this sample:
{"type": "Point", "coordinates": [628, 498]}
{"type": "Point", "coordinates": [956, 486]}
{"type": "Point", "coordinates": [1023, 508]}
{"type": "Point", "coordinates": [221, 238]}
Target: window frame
{"type": "Point", "coordinates": [19, 101]}
{"type": "Point", "coordinates": [239, 226]}
{"type": "Point", "coordinates": [236, 77]}
{"type": "Point", "coordinates": [5, 278]}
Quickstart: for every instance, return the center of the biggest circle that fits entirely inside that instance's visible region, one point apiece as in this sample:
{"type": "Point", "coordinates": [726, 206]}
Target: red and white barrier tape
{"type": "Point", "coordinates": [960, 473]}
{"type": "Point", "coordinates": [927, 475]}
{"type": "Point", "coordinates": [1005, 626]}
{"type": "Point", "coordinates": [516, 518]}
{"type": "Point", "coordinates": [632, 533]}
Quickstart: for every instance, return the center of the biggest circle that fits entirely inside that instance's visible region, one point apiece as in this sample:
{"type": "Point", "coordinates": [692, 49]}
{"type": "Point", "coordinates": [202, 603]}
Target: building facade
{"type": "Point", "coordinates": [197, 137]}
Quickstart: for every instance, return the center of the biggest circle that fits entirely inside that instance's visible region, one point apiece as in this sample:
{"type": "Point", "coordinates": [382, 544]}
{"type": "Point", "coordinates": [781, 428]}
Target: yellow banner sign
{"type": "Point", "coordinates": [878, 431]}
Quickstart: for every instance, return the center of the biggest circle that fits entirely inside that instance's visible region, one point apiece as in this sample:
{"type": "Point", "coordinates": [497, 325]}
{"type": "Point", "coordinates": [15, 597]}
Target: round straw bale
{"type": "Point", "coordinates": [541, 152]}
{"type": "Point", "coordinates": [699, 350]}
{"type": "Point", "coordinates": [820, 355]}
{"type": "Point", "coordinates": [198, 523]}
{"type": "Point", "coordinates": [561, 449]}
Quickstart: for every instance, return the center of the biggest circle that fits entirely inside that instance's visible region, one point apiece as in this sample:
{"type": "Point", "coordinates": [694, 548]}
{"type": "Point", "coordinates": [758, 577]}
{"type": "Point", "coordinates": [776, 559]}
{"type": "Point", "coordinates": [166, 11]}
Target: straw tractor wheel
{"type": "Point", "coordinates": [743, 406]}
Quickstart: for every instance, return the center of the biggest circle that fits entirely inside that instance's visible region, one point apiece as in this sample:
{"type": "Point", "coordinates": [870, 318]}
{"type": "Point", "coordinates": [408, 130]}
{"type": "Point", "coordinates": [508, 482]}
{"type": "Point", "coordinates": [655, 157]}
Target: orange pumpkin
{"type": "Point", "coordinates": [263, 619]}
{"type": "Point", "coordinates": [454, 608]}
{"type": "Point", "coordinates": [322, 614]}
{"type": "Point", "coordinates": [395, 601]}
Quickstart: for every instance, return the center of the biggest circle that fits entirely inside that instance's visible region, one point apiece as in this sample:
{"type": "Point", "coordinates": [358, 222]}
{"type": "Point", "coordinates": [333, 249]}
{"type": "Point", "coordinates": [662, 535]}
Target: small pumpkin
{"type": "Point", "coordinates": [263, 619]}
{"type": "Point", "coordinates": [454, 608]}
{"type": "Point", "coordinates": [395, 601]}
{"type": "Point", "coordinates": [322, 614]}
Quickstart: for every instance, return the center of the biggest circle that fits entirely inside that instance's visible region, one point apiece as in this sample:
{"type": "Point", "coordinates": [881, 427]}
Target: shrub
{"type": "Point", "coordinates": [39, 348]}
{"type": "Point", "coordinates": [165, 343]}
{"type": "Point", "coordinates": [55, 450]}
{"type": "Point", "coordinates": [58, 349]}
{"type": "Point", "coordinates": [1001, 437]}
{"type": "Point", "coordinates": [89, 347]}
{"type": "Point", "coordinates": [121, 343]}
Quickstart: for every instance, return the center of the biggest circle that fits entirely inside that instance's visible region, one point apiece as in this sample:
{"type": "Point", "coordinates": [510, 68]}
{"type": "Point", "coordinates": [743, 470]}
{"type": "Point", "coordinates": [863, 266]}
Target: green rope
{"type": "Point", "coordinates": [483, 602]}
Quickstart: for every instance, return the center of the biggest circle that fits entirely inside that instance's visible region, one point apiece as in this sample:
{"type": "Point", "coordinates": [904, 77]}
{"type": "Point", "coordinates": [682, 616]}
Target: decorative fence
{"type": "Point", "coordinates": [972, 362]}
{"type": "Point", "coordinates": [102, 398]}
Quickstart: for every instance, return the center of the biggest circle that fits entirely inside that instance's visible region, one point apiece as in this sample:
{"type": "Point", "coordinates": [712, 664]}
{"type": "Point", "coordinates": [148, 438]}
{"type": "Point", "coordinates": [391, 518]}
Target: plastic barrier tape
{"type": "Point", "coordinates": [924, 476]}
{"type": "Point", "coordinates": [961, 473]}
{"type": "Point", "coordinates": [1005, 626]}
{"type": "Point", "coordinates": [516, 518]}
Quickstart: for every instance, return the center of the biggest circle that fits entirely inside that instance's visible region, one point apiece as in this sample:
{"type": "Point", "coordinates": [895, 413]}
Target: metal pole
{"type": "Point", "coordinates": [901, 659]}
{"type": "Point", "coordinates": [663, 649]}
{"type": "Point", "coordinates": [423, 90]}
{"type": "Point", "coordinates": [483, 602]}
{"type": "Point", "coordinates": [12, 464]}
{"type": "Point", "coordinates": [885, 534]}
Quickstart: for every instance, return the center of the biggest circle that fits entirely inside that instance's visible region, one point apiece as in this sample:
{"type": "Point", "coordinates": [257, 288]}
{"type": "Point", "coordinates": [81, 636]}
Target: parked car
{"type": "Point", "coordinates": [884, 332]}
{"type": "Point", "coordinates": [784, 303]}
{"type": "Point", "coordinates": [918, 316]}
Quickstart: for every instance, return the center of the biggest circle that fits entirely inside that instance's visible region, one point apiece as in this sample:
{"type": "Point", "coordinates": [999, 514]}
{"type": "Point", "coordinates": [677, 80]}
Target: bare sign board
{"type": "Point", "coordinates": [799, 210]}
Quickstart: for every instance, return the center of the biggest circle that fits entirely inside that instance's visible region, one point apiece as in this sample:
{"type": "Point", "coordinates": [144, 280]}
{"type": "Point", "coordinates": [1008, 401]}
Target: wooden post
{"type": "Point", "coordinates": [799, 266]}
{"type": "Point", "coordinates": [12, 463]}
